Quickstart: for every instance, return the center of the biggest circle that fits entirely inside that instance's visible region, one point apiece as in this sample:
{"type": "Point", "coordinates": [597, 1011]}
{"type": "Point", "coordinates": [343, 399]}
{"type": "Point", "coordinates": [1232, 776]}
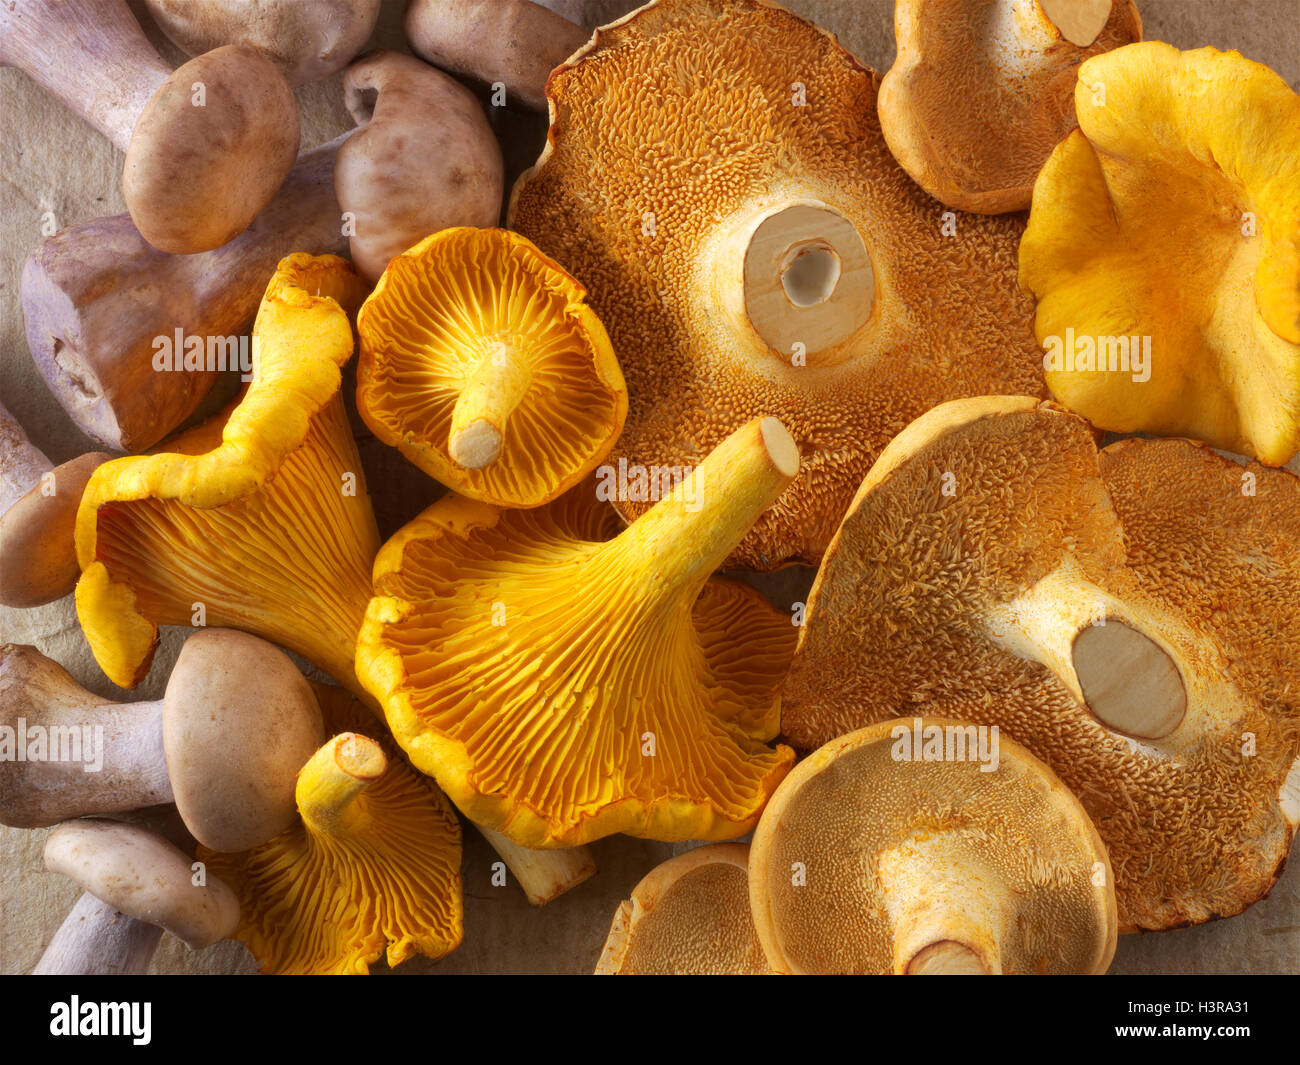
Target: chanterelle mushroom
{"type": "Point", "coordinates": [206, 145]}
{"type": "Point", "coordinates": [558, 687]}
{"type": "Point", "coordinates": [716, 177]}
{"type": "Point", "coordinates": [424, 159]}
{"type": "Point", "coordinates": [372, 867]}
{"type": "Point", "coordinates": [1132, 617]}
{"type": "Point", "coordinates": [1164, 250]}
{"type": "Point", "coordinates": [982, 91]}
{"type": "Point", "coordinates": [483, 365]}
{"type": "Point", "coordinates": [138, 879]}
{"type": "Point", "coordinates": [224, 743]}
{"type": "Point", "coordinates": [307, 41]}
{"type": "Point", "coordinates": [893, 850]}
{"type": "Point", "coordinates": [687, 917]}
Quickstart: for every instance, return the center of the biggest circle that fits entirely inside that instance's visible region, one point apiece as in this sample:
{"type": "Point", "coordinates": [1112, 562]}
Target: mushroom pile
{"type": "Point", "coordinates": [751, 306]}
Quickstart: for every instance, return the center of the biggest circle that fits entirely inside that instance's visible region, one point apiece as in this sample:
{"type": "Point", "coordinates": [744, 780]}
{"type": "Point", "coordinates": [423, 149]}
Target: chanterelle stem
{"type": "Point", "coordinates": [495, 388]}
{"type": "Point", "coordinates": [334, 778]}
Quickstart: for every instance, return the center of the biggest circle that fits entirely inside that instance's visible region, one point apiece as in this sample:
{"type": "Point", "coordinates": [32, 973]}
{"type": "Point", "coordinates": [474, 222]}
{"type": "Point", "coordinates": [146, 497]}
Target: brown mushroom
{"type": "Point", "coordinates": [688, 916]}
{"type": "Point", "coordinates": [306, 41]}
{"type": "Point", "coordinates": [514, 43]}
{"type": "Point", "coordinates": [225, 742]}
{"type": "Point", "coordinates": [423, 160]}
{"type": "Point", "coordinates": [206, 145]}
{"type": "Point", "coordinates": [137, 885]}
{"type": "Point", "coordinates": [130, 339]}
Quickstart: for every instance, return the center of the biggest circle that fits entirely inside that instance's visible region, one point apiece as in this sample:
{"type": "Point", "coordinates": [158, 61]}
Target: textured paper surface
{"type": "Point", "coordinates": [51, 161]}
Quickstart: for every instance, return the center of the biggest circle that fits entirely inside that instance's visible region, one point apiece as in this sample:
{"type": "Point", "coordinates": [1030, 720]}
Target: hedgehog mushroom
{"type": "Point", "coordinates": [424, 158]}
{"type": "Point", "coordinates": [137, 885]}
{"type": "Point", "coordinates": [224, 743]}
{"type": "Point", "coordinates": [307, 42]}
{"type": "Point", "coordinates": [38, 510]}
{"type": "Point", "coordinates": [559, 688]}
{"type": "Point", "coordinates": [688, 916]}
{"type": "Point", "coordinates": [1164, 250]}
{"type": "Point", "coordinates": [483, 365]}
{"type": "Point", "coordinates": [1133, 618]}
{"type": "Point", "coordinates": [895, 849]}
{"type": "Point", "coordinates": [981, 93]}
{"type": "Point", "coordinates": [754, 250]}
{"type": "Point", "coordinates": [371, 867]}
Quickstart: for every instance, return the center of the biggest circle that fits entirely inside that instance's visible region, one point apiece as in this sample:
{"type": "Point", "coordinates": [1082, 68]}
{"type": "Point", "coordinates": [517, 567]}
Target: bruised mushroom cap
{"type": "Point", "coordinates": [424, 158]}
{"type": "Point", "coordinates": [1132, 618]}
{"type": "Point", "coordinates": [238, 722]}
{"type": "Point", "coordinates": [260, 514]}
{"type": "Point", "coordinates": [307, 41]}
{"type": "Point", "coordinates": [754, 250]}
{"type": "Point", "coordinates": [688, 916]}
{"type": "Point", "coordinates": [38, 558]}
{"type": "Point", "coordinates": [982, 92]}
{"type": "Point", "coordinates": [371, 868]}
{"type": "Point", "coordinates": [871, 859]}
{"type": "Point", "coordinates": [483, 365]}
{"type": "Point", "coordinates": [558, 688]}
{"type": "Point", "coordinates": [1171, 219]}
{"type": "Point", "coordinates": [196, 173]}
{"type": "Point", "coordinates": [142, 875]}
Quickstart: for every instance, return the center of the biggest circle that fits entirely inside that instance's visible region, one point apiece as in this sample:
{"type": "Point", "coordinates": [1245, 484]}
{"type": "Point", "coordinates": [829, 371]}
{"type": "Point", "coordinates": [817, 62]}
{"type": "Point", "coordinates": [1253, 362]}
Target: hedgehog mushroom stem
{"type": "Point", "coordinates": [495, 387]}
{"type": "Point", "coordinates": [1080, 21]}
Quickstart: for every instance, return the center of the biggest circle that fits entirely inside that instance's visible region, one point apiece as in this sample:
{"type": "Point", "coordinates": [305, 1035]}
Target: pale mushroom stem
{"type": "Point", "coordinates": [1079, 21]}
{"type": "Point", "coordinates": [691, 533]}
{"type": "Point", "coordinates": [494, 389]}
{"type": "Point", "coordinates": [1108, 652]}
{"type": "Point", "coordinates": [97, 940]}
{"type": "Point", "coordinates": [543, 875]}
{"type": "Point", "coordinates": [21, 463]}
{"type": "Point", "coordinates": [332, 781]}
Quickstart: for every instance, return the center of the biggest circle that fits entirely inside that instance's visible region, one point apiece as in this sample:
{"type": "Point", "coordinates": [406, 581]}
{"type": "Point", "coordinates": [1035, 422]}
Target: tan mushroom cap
{"type": "Point", "coordinates": [1132, 617]}
{"type": "Point", "coordinates": [871, 859]}
{"type": "Point", "coordinates": [197, 174]}
{"type": "Point", "coordinates": [38, 553]}
{"type": "Point", "coordinates": [307, 41]}
{"type": "Point", "coordinates": [142, 875]}
{"type": "Point", "coordinates": [688, 916]}
{"type": "Point", "coordinates": [981, 91]}
{"type": "Point", "coordinates": [715, 176]}
{"type": "Point", "coordinates": [239, 722]}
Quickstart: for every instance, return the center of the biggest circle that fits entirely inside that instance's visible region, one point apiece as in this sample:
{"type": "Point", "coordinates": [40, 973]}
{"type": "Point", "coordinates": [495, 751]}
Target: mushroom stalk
{"type": "Point", "coordinates": [496, 386]}
{"type": "Point", "coordinates": [1110, 654]}
{"type": "Point", "coordinates": [543, 874]}
{"type": "Point", "coordinates": [96, 939]}
{"type": "Point", "coordinates": [691, 533]}
{"type": "Point", "coordinates": [332, 781]}
{"type": "Point", "coordinates": [97, 300]}
{"type": "Point", "coordinates": [21, 462]}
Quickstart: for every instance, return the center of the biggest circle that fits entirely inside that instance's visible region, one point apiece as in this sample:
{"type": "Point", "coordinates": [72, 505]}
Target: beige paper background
{"type": "Point", "coordinates": [51, 161]}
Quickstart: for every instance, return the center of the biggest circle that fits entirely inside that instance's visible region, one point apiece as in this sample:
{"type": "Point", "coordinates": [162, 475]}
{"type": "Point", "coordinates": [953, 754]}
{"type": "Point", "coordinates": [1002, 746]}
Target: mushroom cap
{"type": "Point", "coordinates": [968, 578]}
{"type": "Point", "coordinates": [468, 302]}
{"type": "Point", "coordinates": [692, 142]}
{"type": "Point", "coordinates": [1171, 217]}
{"type": "Point", "coordinates": [388, 883]}
{"type": "Point", "coordinates": [981, 93]}
{"type": "Point", "coordinates": [38, 556]}
{"type": "Point", "coordinates": [140, 874]}
{"type": "Point", "coordinates": [557, 685]}
{"type": "Point", "coordinates": [197, 174]}
{"type": "Point", "coordinates": [307, 42]}
{"type": "Point", "coordinates": [260, 513]}
{"type": "Point", "coordinates": [689, 916]}
{"type": "Point", "coordinates": [890, 852]}
{"type": "Point", "coordinates": [425, 158]}
{"type": "Point", "coordinates": [239, 721]}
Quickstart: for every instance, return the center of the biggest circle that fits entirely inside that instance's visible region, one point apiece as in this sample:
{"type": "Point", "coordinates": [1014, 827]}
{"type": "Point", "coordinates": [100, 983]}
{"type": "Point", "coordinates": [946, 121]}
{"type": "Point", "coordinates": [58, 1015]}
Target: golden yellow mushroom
{"type": "Point", "coordinates": [1163, 249]}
